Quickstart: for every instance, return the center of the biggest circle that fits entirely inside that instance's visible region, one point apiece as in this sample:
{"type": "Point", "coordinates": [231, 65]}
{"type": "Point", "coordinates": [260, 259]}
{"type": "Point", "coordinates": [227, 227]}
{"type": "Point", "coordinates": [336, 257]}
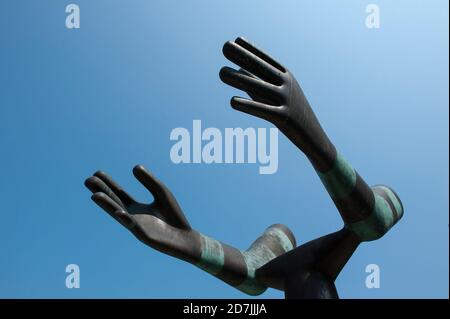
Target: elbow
{"type": "Point", "coordinates": [387, 211]}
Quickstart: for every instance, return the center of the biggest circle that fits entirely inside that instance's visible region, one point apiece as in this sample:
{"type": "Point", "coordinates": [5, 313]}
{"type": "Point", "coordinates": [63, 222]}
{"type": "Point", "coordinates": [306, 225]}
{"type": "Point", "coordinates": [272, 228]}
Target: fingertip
{"type": "Point", "coordinates": [236, 102]}
{"type": "Point", "coordinates": [88, 182]}
{"type": "Point", "coordinates": [225, 73]}
{"type": "Point", "coordinates": [240, 40]}
{"type": "Point", "coordinates": [143, 174]}
{"type": "Point", "coordinates": [98, 197]}
{"type": "Point", "coordinates": [222, 73]}
{"type": "Point", "coordinates": [99, 174]}
{"type": "Point", "coordinates": [227, 47]}
{"type": "Point", "coordinates": [138, 169]}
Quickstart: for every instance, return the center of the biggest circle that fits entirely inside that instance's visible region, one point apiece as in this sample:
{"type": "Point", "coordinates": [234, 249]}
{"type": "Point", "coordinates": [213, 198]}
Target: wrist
{"type": "Point", "coordinates": [306, 133]}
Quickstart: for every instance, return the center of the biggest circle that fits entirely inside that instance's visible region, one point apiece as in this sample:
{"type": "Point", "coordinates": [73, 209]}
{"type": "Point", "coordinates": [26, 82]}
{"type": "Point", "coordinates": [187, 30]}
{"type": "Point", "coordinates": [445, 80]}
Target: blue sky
{"type": "Point", "coordinates": [106, 96]}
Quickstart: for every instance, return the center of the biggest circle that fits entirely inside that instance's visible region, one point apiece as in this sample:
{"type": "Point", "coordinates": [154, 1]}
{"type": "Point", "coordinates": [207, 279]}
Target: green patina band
{"type": "Point", "coordinates": [213, 257]}
{"type": "Point", "coordinates": [340, 180]}
{"type": "Point", "coordinates": [255, 258]}
{"type": "Point", "coordinates": [379, 222]}
{"type": "Point", "coordinates": [282, 238]}
{"type": "Point", "coordinates": [395, 201]}
{"type": "Point", "coordinates": [251, 287]}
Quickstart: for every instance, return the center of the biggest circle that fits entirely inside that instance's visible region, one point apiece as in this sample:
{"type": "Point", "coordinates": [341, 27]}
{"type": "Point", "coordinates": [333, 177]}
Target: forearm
{"type": "Point", "coordinates": [236, 267]}
{"type": "Point", "coordinates": [368, 212]}
{"type": "Point", "coordinates": [304, 130]}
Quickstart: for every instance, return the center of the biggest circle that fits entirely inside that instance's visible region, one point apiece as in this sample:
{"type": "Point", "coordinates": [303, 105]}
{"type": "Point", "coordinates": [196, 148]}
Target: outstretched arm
{"type": "Point", "coordinates": [278, 98]}
{"type": "Point", "coordinates": [163, 226]}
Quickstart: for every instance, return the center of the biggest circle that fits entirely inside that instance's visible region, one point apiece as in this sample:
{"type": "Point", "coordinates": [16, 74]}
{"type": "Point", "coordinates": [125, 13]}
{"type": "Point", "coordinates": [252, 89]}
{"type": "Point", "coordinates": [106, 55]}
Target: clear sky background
{"type": "Point", "coordinates": [106, 96]}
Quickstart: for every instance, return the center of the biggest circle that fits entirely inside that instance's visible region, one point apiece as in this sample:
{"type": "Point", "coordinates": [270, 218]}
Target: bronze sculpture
{"type": "Point", "coordinates": [273, 260]}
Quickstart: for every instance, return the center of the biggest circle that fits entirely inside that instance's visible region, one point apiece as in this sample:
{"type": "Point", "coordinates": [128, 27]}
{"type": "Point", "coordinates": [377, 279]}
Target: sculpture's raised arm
{"type": "Point", "coordinates": [163, 226]}
{"type": "Point", "coordinates": [277, 97]}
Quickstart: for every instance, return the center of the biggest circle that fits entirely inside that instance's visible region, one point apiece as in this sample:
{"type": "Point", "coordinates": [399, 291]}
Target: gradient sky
{"type": "Point", "coordinates": [106, 96]}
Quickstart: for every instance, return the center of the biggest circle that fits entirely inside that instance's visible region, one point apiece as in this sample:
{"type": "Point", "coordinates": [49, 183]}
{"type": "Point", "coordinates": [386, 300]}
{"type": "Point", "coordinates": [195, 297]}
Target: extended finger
{"type": "Point", "coordinates": [264, 111]}
{"type": "Point", "coordinates": [106, 202]}
{"type": "Point", "coordinates": [173, 214]}
{"type": "Point", "coordinates": [116, 188]}
{"type": "Point", "coordinates": [251, 85]}
{"type": "Point", "coordinates": [253, 95]}
{"type": "Point", "coordinates": [259, 53]}
{"type": "Point", "coordinates": [252, 63]}
{"type": "Point", "coordinates": [112, 208]}
{"type": "Point", "coordinates": [153, 185]}
{"type": "Point", "coordinates": [96, 185]}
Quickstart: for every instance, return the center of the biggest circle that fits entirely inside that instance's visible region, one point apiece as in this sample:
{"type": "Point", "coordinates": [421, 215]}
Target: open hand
{"type": "Point", "coordinates": [160, 224]}
{"type": "Point", "coordinates": [276, 97]}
